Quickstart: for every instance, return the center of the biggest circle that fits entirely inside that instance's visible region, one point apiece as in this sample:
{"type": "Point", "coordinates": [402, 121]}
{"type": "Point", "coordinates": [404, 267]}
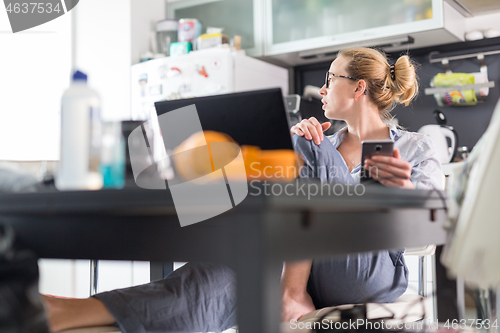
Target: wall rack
{"type": "Point", "coordinates": [445, 61]}
{"type": "Point", "coordinates": [433, 59]}
{"type": "Point", "coordinates": [440, 90]}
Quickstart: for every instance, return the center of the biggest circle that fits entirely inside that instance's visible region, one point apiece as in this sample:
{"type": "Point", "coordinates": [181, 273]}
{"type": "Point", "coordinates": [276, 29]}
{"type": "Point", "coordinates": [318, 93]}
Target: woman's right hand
{"type": "Point", "coordinates": [311, 129]}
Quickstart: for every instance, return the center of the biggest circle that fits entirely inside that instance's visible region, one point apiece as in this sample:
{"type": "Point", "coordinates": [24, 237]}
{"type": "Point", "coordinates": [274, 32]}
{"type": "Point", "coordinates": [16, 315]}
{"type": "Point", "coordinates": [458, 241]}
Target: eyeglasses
{"type": "Point", "coordinates": [327, 81]}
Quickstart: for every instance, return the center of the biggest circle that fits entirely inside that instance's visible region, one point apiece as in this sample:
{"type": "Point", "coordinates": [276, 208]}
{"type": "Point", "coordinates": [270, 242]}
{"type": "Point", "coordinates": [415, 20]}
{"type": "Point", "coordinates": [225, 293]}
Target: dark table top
{"type": "Point", "coordinates": [299, 195]}
{"type": "Point", "coordinates": [139, 224]}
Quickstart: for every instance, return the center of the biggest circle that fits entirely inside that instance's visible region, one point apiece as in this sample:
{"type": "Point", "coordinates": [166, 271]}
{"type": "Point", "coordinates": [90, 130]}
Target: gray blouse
{"type": "Point", "coordinates": [326, 163]}
{"type": "Point", "coordinates": [416, 148]}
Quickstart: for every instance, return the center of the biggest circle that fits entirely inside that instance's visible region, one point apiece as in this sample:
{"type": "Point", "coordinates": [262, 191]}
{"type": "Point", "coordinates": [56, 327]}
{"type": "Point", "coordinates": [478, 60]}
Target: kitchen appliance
{"type": "Point", "coordinates": [200, 73]}
{"type": "Point", "coordinates": [166, 34]}
{"type": "Point", "coordinates": [444, 137]}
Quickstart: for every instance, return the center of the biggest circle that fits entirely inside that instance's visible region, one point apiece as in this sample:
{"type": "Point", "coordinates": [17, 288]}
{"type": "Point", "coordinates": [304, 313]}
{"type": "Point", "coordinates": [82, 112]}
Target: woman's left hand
{"type": "Point", "coordinates": [390, 171]}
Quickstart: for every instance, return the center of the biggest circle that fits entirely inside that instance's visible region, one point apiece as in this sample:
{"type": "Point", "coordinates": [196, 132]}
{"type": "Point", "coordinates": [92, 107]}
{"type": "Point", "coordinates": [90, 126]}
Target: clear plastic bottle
{"type": "Point", "coordinates": [80, 137]}
{"type": "Point", "coordinates": [112, 155]}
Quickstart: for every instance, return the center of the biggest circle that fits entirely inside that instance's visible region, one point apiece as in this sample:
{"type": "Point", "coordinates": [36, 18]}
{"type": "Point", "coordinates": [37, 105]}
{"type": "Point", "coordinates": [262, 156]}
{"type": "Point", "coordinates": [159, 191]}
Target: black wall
{"type": "Point", "coordinates": [470, 122]}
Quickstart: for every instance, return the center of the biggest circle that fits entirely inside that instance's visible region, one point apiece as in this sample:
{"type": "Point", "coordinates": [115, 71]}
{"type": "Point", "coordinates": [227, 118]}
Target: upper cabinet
{"type": "Point", "coordinates": [293, 32]}
{"type": "Point", "coordinates": [300, 31]}
{"type": "Point", "coordinates": [297, 25]}
{"type": "Point", "coordinates": [237, 17]}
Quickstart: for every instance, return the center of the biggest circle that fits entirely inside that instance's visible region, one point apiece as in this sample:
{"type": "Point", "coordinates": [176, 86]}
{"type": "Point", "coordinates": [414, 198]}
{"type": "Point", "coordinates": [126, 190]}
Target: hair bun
{"type": "Point", "coordinates": [406, 80]}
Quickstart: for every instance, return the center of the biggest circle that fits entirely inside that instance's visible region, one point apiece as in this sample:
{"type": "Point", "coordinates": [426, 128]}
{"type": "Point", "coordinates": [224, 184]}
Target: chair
{"type": "Point", "coordinates": [406, 309]}
{"type": "Point", "coordinates": [422, 253]}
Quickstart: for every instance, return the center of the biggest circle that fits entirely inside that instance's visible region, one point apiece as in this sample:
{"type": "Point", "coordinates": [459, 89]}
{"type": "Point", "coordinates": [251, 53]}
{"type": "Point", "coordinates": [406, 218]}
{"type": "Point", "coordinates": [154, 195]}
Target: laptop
{"type": "Point", "coordinates": [256, 118]}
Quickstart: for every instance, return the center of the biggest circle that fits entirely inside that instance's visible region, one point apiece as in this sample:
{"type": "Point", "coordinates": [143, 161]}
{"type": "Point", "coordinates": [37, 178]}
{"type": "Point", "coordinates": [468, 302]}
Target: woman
{"type": "Point", "coordinates": [360, 88]}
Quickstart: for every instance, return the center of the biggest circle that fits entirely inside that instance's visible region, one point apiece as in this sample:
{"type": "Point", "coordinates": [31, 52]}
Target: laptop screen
{"type": "Point", "coordinates": [256, 118]}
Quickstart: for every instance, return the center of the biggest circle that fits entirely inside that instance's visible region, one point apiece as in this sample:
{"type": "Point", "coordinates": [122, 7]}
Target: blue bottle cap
{"type": "Point", "coordinates": [80, 76]}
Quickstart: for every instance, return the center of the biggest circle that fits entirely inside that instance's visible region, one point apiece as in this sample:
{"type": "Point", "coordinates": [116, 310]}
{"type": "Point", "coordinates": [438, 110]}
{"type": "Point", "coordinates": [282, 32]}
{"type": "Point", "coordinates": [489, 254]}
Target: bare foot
{"type": "Point", "coordinates": [65, 313]}
{"type": "Point", "coordinates": [295, 306]}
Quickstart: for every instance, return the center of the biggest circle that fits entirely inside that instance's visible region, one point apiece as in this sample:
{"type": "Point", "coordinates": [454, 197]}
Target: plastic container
{"type": "Point", "coordinates": [189, 30]}
{"type": "Point", "coordinates": [112, 156]}
{"type": "Point", "coordinates": [166, 34]}
{"type": "Point", "coordinates": [79, 162]}
{"type": "Point", "coordinates": [457, 97]}
{"type": "Point", "coordinates": [180, 48]}
{"type": "Point", "coordinates": [207, 41]}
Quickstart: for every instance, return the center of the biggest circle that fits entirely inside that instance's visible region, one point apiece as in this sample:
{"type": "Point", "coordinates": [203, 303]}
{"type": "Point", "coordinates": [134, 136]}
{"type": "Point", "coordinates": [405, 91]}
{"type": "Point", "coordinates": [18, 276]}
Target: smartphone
{"type": "Point", "coordinates": [371, 148]}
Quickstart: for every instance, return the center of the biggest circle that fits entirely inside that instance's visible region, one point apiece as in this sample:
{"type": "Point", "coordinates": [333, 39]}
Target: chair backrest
{"type": "Point", "coordinates": [421, 251]}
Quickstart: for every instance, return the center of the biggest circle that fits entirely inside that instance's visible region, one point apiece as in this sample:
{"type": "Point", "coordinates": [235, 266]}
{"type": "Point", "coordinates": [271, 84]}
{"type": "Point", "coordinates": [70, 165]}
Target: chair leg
{"type": "Point", "coordinates": [422, 276]}
{"type": "Point", "coordinates": [94, 269]}
{"type": "Point", "coordinates": [433, 290]}
{"type": "Point", "coordinates": [494, 302]}
{"type": "Point", "coordinates": [159, 270]}
{"type": "Point", "coordinates": [460, 298]}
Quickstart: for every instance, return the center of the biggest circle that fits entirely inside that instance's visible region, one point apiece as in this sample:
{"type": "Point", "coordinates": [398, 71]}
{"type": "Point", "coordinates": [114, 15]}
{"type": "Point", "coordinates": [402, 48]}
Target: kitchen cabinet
{"type": "Point", "coordinates": [305, 31]}
{"type": "Point", "coordinates": [298, 25]}
{"type": "Point", "coordinates": [294, 32]}
{"type": "Point", "coordinates": [338, 21]}
{"type": "Point", "coordinates": [237, 17]}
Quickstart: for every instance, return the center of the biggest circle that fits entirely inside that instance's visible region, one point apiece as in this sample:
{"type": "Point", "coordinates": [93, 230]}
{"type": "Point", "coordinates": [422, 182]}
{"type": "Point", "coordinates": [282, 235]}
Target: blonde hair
{"type": "Point", "coordinates": [372, 66]}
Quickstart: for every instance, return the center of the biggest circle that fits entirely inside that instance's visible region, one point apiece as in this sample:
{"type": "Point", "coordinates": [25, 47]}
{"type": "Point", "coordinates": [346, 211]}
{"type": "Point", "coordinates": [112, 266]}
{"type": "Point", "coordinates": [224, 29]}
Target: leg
{"type": "Point", "coordinates": [366, 277]}
{"type": "Point", "coordinates": [295, 301]}
{"type": "Point", "coordinates": [196, 297]}
{"type": "Point", "coordinates": [69, 313]}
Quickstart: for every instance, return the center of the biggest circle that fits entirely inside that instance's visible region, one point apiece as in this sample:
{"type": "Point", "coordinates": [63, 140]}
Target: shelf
{"type": "Point", "coordinates": [433, 56]}
{"type": "Point", "coordinates": [440, 90]}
